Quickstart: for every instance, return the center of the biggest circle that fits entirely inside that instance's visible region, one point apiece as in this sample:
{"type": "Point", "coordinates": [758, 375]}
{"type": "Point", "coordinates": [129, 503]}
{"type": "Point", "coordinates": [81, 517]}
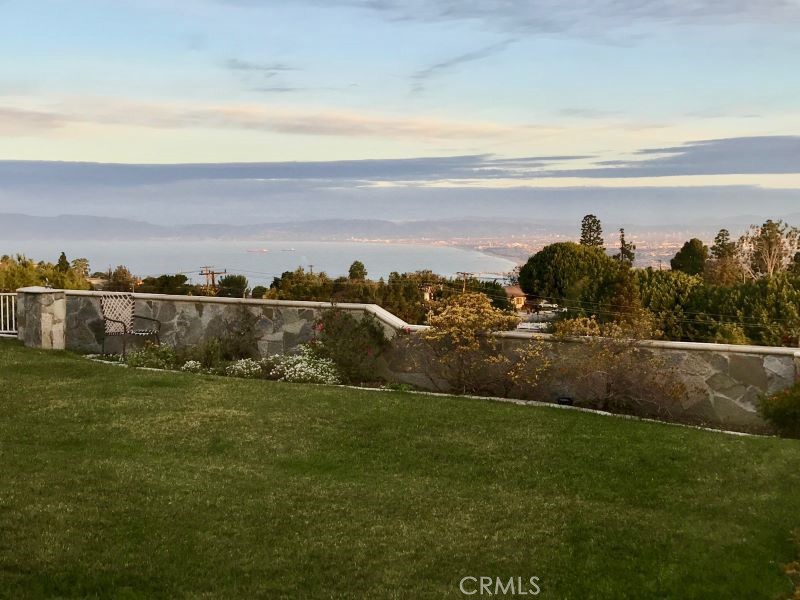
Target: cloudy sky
{"type": "Point", "coordinates": [354, 94]}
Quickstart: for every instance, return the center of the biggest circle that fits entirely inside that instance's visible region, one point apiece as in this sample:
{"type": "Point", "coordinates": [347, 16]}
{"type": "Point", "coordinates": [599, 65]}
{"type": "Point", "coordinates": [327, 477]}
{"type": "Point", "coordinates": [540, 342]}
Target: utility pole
{"type": "Point", "coordinates": [211, 276]}
{"type": "Point", "coordinates": [310, 269]}
{"type": "Point", "coordinates": [465, 275]}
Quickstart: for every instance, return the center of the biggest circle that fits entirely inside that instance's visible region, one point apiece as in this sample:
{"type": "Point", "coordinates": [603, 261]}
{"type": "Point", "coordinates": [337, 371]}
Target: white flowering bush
{"type": "Point", "coordinates": [305, 367]}
{"type": "Point", "coordinates": [268, 363]}
{"type": "Point", "coordinates": [192, 366]}
{"type": "Point", "coordinates": [246, 368]}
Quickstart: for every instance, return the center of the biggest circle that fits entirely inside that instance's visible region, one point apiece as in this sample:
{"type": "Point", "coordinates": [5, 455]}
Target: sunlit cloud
{"type": "Point", "coordinates": [321, 122]}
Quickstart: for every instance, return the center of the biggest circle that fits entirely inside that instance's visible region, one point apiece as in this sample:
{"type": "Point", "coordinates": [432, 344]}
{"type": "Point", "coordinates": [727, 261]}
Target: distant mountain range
{"type": "Point", "coordinates": [83, 227]}
{"type": "Point", "coordinates": [80, 227]}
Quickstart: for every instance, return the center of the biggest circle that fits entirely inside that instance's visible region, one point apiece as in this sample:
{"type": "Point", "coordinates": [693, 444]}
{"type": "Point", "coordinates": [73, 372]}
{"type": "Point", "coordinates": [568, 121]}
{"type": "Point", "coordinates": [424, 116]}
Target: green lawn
{"type": "Point", "coordinates": [123, 483]}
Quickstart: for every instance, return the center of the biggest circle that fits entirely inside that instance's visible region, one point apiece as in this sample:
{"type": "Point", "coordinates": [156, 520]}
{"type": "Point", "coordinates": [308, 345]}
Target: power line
{"type": "Point", "coordinates": [211, 276]}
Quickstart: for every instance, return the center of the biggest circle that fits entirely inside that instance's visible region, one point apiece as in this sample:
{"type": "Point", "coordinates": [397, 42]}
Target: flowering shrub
{"type": "Point", "coordinates": [192, 366]}
{"type": "Point", "coordinates": [460, 350]}
{"type": "Point", "coordinates": [268, 362]}
{"type": "Point", "coordinates": [246, 368]}
{"type": "Point", "coordinates": [305, 367]}
{"type": "Point", "coordinates": [153, 356]}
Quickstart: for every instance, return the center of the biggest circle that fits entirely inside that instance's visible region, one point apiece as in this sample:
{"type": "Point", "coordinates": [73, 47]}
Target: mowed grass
{"type": "Point", "coordinates": [120, 483]}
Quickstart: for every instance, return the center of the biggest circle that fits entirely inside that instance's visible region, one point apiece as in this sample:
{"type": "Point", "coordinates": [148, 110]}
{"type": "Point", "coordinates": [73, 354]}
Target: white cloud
{"type": "Point", "coordinates": [277, 119]}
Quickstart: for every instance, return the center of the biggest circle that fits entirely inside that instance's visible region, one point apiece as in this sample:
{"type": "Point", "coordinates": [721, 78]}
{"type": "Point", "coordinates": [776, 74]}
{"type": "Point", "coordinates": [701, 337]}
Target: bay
{"type": "Point", "coordinates": [260, 261]}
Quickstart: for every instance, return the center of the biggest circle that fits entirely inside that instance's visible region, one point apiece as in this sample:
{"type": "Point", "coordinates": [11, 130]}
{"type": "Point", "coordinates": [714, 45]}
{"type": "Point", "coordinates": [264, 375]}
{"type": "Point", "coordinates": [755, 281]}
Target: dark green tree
{"type": "Point", "coordinates": [120, 280]}
{"type": "Point", "coordinates": [233, 286]}
{"type": "Point", "coordinates": [666, 294]}
{"type": "Point", "coordinates": [724, 247]}
{"type": "Point", "coordinates": [357, 271]}
{"type": "Point", "coordinates": [691, 258]}
{"type": "Point", "coordinates": [258, 292]}
{"type": "Point", "coordinates": [62, 266]}
{"type": "Point", "coordinates": [581, 278]}
{"type": "Point", "coordinates": [627, 250]}
{"type": "Point", "coordinates": [177, 285]}
{"type": "Point", "coordinates": [302, 285]}
{"type": "Point", "coordinates": [592, 232]}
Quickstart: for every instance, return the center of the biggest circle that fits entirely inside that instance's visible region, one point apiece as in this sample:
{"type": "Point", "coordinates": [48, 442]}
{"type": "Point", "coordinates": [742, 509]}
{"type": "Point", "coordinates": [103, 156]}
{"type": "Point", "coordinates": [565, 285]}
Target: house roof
{"type": "Point", "coordinates": [514, 291]}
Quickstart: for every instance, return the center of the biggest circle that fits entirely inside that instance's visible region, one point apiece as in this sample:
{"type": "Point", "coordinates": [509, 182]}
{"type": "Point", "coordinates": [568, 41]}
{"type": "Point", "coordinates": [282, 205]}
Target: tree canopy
{"type": "Point", "coordinates": [19, 271]}
{"type": "Point", "coordinates": [691, 258]}
{"type": "Point", "coordinates": [357, 271]}
{"type": "Point", "coordinates": [592, 232]}
{"type": "Point", "coordinates": [724, 247]}
{"type": "Point", "coordinates": [233, 286]}
{"type": "Point", "coordinates": [581, 278]}
{"type": "Point", "coordinates": [767, 249]}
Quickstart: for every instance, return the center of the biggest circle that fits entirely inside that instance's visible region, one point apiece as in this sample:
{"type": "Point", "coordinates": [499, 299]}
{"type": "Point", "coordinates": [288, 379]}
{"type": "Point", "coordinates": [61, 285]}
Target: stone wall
{"type": "Point", "coordinates": [192, 320]}
{"type": "Point", "coordinates": [725, 382]}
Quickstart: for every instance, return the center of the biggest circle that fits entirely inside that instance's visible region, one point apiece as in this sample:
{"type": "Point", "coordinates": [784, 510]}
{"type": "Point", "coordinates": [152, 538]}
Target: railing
{"type": "Point", "coordinates": [8, 315]}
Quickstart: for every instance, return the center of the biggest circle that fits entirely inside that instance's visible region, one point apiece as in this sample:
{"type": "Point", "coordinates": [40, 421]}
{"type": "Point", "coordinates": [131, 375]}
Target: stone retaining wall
{"type": "Point", "coordinates": [725, 381]}
{"type": "Point", "coordinates": [191, 320]}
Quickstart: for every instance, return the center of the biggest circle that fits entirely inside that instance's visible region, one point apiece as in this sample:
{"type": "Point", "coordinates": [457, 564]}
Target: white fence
{"type": "Point", "coordinates": [8, 315]}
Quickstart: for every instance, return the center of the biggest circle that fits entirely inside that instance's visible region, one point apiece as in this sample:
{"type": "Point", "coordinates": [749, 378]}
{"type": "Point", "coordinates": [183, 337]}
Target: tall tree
{"type": "Point", "coordinates": [62, 266]}
{"type": "Point", "coordinates": [592, 232]}
{"type": "Point", "coordinates": [627, 250]}
{"type": "Point", "coordinates": [585, 280]}
{"type": "Point", "coordinates": [691, 259]}
{"type": "Point", "coordinates": [768, 249]}
{"type": "Point", "coordinates": [724, 247]}
{"type": "Point", "coordinates": [357, 271]}
{"type": "Point", "coordinates": [233, 286]}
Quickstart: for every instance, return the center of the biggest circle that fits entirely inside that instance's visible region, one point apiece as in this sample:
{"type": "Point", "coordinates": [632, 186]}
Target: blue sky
{"type": "Point", "coordinates": [611, 92]}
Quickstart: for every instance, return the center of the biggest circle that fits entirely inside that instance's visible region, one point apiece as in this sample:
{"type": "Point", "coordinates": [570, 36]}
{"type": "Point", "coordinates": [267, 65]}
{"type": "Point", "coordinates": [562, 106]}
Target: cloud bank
{"type": "Point", "coordinates": [747, 156]}
{"type": "Point", "coordinates": [323, 122]}
{"type": "Point", "coordinates": [571, 16]}
{"type": "Point", "coordinates": [742, 155]}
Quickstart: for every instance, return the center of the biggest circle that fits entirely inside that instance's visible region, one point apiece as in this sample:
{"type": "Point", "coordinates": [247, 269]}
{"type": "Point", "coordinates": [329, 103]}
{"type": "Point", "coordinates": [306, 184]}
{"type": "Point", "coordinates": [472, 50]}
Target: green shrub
{"type": "Point", "coordinates": [240, 338]}
{"type": "Point", "coordinates": [208, 354]}
{"type": "Point", "coordinates": [782, 411]}
{"type": "Point", "coordinates": [354, 345]}
{"type": "Point", "coordinates": [153, 356]}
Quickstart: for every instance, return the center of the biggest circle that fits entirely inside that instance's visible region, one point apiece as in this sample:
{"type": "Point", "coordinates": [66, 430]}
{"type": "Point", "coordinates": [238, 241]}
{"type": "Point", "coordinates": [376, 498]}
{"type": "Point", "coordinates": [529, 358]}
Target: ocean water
{"type": "Point", "coordinates": [145, 258]}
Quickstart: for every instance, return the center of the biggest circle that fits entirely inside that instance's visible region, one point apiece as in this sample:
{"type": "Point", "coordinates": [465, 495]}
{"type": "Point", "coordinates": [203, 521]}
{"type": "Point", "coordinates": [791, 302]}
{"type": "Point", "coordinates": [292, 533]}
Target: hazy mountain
{"type": "Point", "coordinates": [85, 227]}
